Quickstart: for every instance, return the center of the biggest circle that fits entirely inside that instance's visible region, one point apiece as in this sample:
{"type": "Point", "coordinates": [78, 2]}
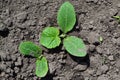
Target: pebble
{"type": "Point", "coordinates": [2, 74]}
{"type": "Point", "coordinates": [24, 7]}
{"type": "Point", "coordinates": [101, 70]}
{"type": "Point", "coordinates": [118, 41]}
{"type": "Point", "coordinates": [8, 22]}
{"type": "Point", "coordinates": [2, 26]}
{"type": "Point", "coordinates": [99, 50]}
{"type": "Point", "coordinates": [19, 62]}
{"type": "Point", "coordinates": [31, 23]}
{"type": "Point", "coordinates": [52, 67]}
{"type": "Point", "coordinates": [102, 77]}
{"type": "Point", "coordinates": [80, 67]}
{"type": "Point", "coordinates": [104, 68]}
{"type": "Point", "coordinates": [111, 57]}
{"type": "Point", "coordinates": [21, 17]}
{"type": "Point", "coordinates": [8, 57]}
{"type": "Point", "coordinates": [16, 70]}
{"type": "Point", "coordinates": [3, 55]}
{"type": "Point", "coordinates": [8, 70]}
{"type": "Point", "coordinates": [112, 12]}
{"type": "Point", "coordinates": [117, 63]}
{"type": "Point", "coordinates": [92, 47]}
{"type": "Point", "coordinates": [3, 67]}
{"type": "Point", "coordinates": [93, 38]}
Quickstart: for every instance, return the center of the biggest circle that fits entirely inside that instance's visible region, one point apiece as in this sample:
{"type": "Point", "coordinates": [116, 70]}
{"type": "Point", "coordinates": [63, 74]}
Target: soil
{"type": "Point", "coordinates": [22, 20]}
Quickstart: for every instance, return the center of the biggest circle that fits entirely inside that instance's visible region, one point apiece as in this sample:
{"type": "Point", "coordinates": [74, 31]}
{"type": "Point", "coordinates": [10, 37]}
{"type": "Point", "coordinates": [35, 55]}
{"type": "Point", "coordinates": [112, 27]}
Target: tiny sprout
{"type": "Point", "coordinates": [117, 17]}
{"type": "Point", "coordinates": [101, 39]}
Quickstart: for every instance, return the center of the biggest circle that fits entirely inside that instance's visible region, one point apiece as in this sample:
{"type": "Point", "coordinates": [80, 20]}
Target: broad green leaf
{"type": "Point", "coordinates": [66, 17]}
{"type": "Point", "coordinates": [41, 67]}
{"type": "Point", "coordinates": [75, 46]}
{"type": "Point", "coordinates": [29, 48]}
{"type": "Point", "coordinates": [50, 37]}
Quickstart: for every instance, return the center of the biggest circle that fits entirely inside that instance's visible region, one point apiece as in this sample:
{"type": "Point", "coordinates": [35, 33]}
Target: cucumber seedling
{"type": "Point", "coordinates": [51, 37]}
{"type": "Point", "coordinates": [29, 48]}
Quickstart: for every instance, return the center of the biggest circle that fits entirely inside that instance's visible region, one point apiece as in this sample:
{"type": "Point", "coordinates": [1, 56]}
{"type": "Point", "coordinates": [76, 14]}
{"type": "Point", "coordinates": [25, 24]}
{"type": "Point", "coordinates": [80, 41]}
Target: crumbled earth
{"type": "Point", "coordinates": [22, 20]}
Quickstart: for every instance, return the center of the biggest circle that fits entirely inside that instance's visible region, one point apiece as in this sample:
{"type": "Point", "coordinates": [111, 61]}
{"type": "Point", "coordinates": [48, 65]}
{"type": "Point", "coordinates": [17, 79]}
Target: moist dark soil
{"type": "Point", "coordinates": [22, 20]}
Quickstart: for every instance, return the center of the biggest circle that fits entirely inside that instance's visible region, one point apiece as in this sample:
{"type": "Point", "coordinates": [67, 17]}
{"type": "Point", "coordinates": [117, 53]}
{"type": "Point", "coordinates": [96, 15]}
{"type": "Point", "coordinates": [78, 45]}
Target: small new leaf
{"type": "Point", "coordinates": [41, 67]}
{"type": "Point", "coordinates": [50, 37]}
{"type": "Point", "coordinates": [29, 48]}
{"type": "Point", "coordinates": [75, 46]}
{"type": "Point", "coordinates": [66, 17]}
{"type": "Point", "coordinates": [117, 17]}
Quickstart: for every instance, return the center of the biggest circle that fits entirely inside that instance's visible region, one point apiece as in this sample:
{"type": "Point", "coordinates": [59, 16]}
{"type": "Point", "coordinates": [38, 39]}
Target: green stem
{"type": "Point", "coordinates": [40, 56]}
{"type": "Point", "coordinates": [63, 35]}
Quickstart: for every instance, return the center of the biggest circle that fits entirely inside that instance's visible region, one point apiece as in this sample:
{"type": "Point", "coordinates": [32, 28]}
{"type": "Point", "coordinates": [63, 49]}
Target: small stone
{"type": "Point", "coordinates": [99, 50]}
{"type": "Point", "coordinates": [118, 41]}
{"type": "Point", "coordinates": [25, 7]}
{"type": "Point", "coordinates": [19, 62]}
{"type": "Point", "coordinates": [8, 22]}
{"type": "Point", "coordinates": [21, 17]}
{"type": "Point", "coordinates": [2, 74]}
{"type": "Point", "coordinates": [102, 77]}
{"type": "Point", "coordinates": [3, 67]}
{"type": "Point", "coordinates": [112, 11]}
{"type": "Point", "coordinates": [92, 48]}
{"type": "Point", "coordinates": [2, 26]}
{"type": "Point", "coordinates": [80, 67]}
{"type": "Point", "coordinates": [8, 70]}
{"type": "Point", "coordinates": [112, 62]}
{"type": "Point", "coordinates": [111, 57]}
{"type": "Point", "coordinates": [104, 68]}
{"type": "Point", "coordinates": [93, 38]}
{"type": "Point", "coordinates": [31, 23]}
{"type": "Point", "coordinates": [52, 67]}
{"type": "Point", "coordinates": [21, 36]}
{"type": "Point", "coordinates": [16, 70]}
{"type": "Point", "coordinates": [8, 58]}
{"type": "Point", "coordinates": [117, 63]}
{"type": "Point", "coordinates": [3, 55]}
{"type": "Point", "coordinates": [62, 61]}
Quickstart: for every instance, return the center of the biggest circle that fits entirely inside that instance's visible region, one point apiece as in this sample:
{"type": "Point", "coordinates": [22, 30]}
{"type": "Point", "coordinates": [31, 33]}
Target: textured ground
{"type": "Point", "coordinates": [24, 19]}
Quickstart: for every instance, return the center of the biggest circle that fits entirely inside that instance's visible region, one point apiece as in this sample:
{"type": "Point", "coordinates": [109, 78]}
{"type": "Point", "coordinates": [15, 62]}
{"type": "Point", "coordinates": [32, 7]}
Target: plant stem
{"type": "Point", "coordinates": [63, 35]}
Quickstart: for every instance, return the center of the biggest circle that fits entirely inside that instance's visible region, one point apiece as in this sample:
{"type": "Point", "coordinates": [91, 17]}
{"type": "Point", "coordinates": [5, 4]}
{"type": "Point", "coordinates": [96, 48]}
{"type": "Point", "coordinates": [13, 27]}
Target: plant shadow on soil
{"type": "Point", "coordinates": [48, 77]}
{"type": "Point", "coordinates": [82, 60]}
{"type": "Point", "coordinates": [56, 50]}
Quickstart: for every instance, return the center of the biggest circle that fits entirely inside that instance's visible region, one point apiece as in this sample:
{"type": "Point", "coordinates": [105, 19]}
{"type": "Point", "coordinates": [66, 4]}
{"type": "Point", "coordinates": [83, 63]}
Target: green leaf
{"type": "Point", "coordinates": [66, 17]}
{"type": "Point", "coordinates": [50, 37]}
{"type": "Point", "coordinates": [75, 46]}
{"type": "Point", "coordinates": [29, 48]}
{"type": "Point", "coordinates": [41, 67]}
